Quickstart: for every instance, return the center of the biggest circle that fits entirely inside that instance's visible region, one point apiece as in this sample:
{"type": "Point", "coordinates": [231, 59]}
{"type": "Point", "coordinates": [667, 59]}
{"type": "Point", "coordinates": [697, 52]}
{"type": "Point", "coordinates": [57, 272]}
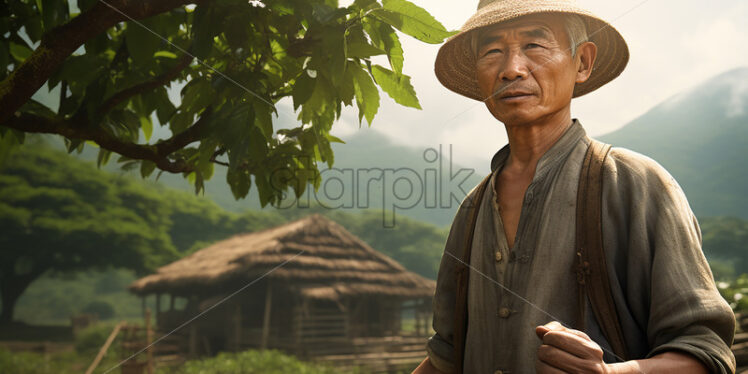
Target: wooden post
{"type": "Point", "coordinates": [158, 304]}
{"type": "Point", "coordinates": [105, 347]}
{"type": "Point", "coordinates": [149, 340]}
{"type": "Point", "coordinates": [193, 340]}
{"type": "Point", "coordinates": [266, 317]}
{"type": "Point", "coordinates": [171, 301]}
{"type": "Point", "coordinates": [142, 305]}
{"type": "Point", "coordinates": [237, 327]}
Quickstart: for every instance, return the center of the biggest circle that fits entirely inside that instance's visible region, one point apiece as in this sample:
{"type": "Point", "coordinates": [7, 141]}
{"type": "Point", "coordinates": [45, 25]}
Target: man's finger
{"type": "Point", "coordinates": [550, 326]}
{"type": "Point", "coordinates": [557, 326]}
{"type": "Point", "coordinates": [562, 361]}
{"type": "Point", "coordinates": [574, 344]}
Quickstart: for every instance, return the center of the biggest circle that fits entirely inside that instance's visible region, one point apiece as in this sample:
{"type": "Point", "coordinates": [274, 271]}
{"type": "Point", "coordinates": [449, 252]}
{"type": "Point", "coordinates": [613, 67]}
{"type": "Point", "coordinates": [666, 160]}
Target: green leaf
{"type": "Point", "coordinates": [239, 181]}
{"type": "Point", "coordinates": [384, 37]}
{"type": "Point", "coordinates": [412, 20]}
{"type": "Point", "coordinates": [180, 121]}
{"type": "Point", "coordinates": [165, 54]}
{"type": "Point", "coordinates": [347, 89]}
{"type": "Point", "coordinates": [141, 43]}
{"type": "Point", "coordinates": [334, 139]}
{"type": "Point", "coordinates": [236, 30]}
{"type": "Point", "coordinates": [263, 118]}
{"type": "Point", "coordinates": [54, 13]}
{"type": "Point", "coordinates": [81, 70]}
{"type": "Point", "coordinates": [206, 25]}
{"type": "Point", "coordinates": [34, 28]}
{"type": "Point", "coordinates": [367, 95]}
{"type": "Point", "coordinates": [19, 51]}
{"type": "Point", "coordinates": [397, 86]}
{"type": "Point", "coordinates": [147, 126]}
{"type": "Point", "coordinates": [164, 107]}
{"type": "Point", "coordinates": [363, 50]}
{"type": "Point", "coordinates": [103, 157]}
{"type": "Point", "coordinates": [302, 90]}
{"type": "Point", "coordinates": [34, 107]}
{"type": "Point", "coordinates": [84, 5]}
{"type": "Point", "coordinates": [197, 95]}
{"type": "Point", "coordinates": [146, 168]}
{"type": "Point", "coordinates": [4, 57]}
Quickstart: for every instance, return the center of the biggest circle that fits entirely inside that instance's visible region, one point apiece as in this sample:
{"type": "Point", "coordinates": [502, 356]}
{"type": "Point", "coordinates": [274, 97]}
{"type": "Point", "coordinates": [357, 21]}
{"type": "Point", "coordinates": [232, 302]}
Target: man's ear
{"type": "Point", "coordinates": [586, 53]}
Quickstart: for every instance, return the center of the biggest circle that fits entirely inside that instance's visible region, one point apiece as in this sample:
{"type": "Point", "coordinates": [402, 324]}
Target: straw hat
{"type": "Point", "coordinates": [455, 63]}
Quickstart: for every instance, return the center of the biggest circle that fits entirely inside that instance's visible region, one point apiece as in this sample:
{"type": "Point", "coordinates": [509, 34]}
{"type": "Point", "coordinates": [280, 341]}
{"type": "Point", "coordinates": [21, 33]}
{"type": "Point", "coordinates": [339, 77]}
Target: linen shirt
{"type": "Point", "coordinates": [661, 283]}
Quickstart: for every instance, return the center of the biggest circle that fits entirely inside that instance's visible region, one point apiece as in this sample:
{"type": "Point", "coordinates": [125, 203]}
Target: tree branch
{"type": "Point", "coordinates": [156, 82]}
{"type": "Point", "coordinates": [59, 43]}
{"type": "Point", "coordinates": [73, 129]}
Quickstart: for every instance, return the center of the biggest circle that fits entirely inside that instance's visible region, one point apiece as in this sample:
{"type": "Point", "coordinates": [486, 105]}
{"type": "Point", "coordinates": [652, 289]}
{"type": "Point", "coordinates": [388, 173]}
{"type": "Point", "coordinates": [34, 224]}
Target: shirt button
{"type": "Point", "coordinates": [504, 312]}
{"type": "Point", "coordinates": [498, 372]}
{"type": "Point", "coordinates": [499, 256]}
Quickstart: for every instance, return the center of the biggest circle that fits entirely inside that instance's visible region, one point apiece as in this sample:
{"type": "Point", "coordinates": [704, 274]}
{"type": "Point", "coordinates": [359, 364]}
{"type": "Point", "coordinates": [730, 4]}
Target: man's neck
{"type": "Point", "coordinates": [529, 142]}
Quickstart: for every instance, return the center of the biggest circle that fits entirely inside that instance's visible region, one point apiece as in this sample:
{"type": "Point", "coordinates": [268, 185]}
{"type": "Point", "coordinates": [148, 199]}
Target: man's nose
{"type": "Point", "coordinates": [514, 67]}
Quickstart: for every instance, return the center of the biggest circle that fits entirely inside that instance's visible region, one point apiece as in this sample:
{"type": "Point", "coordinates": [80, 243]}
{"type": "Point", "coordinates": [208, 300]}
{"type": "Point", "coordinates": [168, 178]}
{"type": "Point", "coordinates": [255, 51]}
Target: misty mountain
{"type": "Point", "coordinates": [701, 137]}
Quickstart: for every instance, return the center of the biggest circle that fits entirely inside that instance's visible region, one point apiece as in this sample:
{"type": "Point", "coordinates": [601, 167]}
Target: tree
{"type": "Point", "coordinates": [725, 240]}
{"type": "Point", "coordinates": [238, 59]}
{"type": "Point", "coordinates": [52, 222]}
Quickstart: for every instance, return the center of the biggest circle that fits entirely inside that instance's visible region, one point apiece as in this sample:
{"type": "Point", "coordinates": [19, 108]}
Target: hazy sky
{"type": "Point", "coordinates": [674, 45]}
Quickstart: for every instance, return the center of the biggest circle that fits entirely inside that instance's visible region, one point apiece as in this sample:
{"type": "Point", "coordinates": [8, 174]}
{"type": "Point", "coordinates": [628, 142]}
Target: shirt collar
{"type": "Point", "coordinates": [553, 156]}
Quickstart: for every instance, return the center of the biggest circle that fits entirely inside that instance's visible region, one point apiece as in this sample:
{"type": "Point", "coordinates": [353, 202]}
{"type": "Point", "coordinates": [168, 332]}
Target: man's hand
{"type": "Point", "coordinates": [572, 351]}
{"type": "Point", "coordinates": [426, 368]}
{"type": "Point", "coordinates": [568, 351]}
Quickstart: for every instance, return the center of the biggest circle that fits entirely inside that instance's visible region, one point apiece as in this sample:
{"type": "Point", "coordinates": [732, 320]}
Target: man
{"type": "Point", "coordinates": [526, 60]}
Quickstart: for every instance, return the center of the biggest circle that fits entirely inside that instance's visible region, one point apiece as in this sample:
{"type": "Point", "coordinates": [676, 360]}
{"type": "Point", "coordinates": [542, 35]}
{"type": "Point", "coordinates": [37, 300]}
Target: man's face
{"type": "Point", "coordinates": [525, 69]}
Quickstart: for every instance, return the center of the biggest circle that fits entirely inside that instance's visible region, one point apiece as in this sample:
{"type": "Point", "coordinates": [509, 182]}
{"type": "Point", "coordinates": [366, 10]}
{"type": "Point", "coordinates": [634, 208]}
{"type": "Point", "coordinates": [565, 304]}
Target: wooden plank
{"type": "Point", "coordinates": [266, 317]}
{"type": "Point", "coordinates": [104, 348]}
{"type": "Point", "coordinates": [149, 338]}
{"type": "Point", "coordinates": [237, 327]}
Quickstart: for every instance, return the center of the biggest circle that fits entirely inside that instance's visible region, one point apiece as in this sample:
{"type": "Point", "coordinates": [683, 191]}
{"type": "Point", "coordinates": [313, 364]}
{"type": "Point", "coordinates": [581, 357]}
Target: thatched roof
{"type": "Point", "coordinates": [324, 262]}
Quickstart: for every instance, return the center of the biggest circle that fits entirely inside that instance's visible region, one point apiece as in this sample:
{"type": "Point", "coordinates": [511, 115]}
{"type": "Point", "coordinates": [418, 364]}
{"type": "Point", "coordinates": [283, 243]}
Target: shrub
{"type": "Point", "coordinates": [102, 309]}
{"type": "Point", "coordinates": [254, 362]}
{"type": "Point", "coordinates": [91, 338]}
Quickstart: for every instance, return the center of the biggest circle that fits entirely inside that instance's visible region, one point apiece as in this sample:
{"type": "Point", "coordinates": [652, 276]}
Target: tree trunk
{"type": "Point", "coordinates": [12, 287]}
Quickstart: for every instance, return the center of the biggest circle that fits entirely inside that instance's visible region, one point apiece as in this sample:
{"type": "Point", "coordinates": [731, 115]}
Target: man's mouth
{"type": "Point", "coordinates": [514, 95]}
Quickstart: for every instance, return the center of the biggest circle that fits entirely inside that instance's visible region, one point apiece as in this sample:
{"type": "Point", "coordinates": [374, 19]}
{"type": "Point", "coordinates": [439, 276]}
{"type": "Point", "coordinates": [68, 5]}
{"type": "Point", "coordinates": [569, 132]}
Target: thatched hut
{"type": "Point", "coordinates": [308, 287]}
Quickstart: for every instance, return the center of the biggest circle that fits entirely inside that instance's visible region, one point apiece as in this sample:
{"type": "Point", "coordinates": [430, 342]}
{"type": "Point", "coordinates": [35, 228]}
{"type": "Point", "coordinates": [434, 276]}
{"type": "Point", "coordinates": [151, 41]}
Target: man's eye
{"type": "Point", "coordinates": [533, 45]}
{"type": "Point", "coordinates": [493, 50]}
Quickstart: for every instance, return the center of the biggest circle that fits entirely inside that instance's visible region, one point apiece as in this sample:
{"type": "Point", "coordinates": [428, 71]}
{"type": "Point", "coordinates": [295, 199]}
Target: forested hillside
{"type": "Point", "coordinates": [96, 221]}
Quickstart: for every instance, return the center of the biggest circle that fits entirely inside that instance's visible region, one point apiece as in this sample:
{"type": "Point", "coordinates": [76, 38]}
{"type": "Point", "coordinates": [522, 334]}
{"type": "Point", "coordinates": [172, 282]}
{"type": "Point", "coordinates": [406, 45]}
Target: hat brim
{"type": "Point", "coordinates": [455, 62]}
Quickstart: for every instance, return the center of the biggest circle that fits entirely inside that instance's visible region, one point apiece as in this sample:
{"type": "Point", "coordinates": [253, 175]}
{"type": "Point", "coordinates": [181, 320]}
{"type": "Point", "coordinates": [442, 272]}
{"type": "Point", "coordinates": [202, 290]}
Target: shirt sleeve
{"type": "Point", "coordinates": [685, 310]}
{"type": "Point", "coordinates": [439, 348]}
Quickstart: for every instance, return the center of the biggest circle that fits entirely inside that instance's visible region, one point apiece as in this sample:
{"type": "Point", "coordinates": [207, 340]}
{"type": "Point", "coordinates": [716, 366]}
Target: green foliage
{"type": "Point", "coordinates": [254, 362]}
{"type": "Point", "coordinates": [725, 241]}
{"type": "Point", "coordinates": [27, 363]}
{"type": "Point", "coordinates": [75, 217]}
{"type": "Point", "coordinates": [102, 309]}
{"type": "Point", "coordinates": [251, 57]}
{"type": "Point", "coordinates": [736, 293]}
{"type": "Point", "coordinates": [90, 339]}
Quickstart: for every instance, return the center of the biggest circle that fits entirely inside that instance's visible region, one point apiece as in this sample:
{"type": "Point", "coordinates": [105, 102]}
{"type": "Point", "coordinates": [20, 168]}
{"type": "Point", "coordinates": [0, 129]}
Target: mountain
{"type": "Point", "coordinates": [701, 137]}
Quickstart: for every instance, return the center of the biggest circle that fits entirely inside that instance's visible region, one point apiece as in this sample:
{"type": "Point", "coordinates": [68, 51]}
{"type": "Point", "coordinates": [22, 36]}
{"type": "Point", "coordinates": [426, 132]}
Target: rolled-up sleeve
{"type": "Point", "coordinates": [439, 348]}
{"type": "Point", "coordinates": [686, 312]}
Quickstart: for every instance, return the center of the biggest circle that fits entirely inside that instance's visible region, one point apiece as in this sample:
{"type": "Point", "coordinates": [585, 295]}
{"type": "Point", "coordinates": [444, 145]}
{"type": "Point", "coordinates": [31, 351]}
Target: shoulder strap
{"type": "Point", "coordinates": [462, 275]}
{"type": "Point", "coordinates": [591, 269]}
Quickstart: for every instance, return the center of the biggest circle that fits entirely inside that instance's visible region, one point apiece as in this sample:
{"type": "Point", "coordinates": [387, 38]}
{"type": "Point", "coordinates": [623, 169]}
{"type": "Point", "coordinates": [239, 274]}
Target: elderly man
{"type": "Point", "coordinates": [526, 60]}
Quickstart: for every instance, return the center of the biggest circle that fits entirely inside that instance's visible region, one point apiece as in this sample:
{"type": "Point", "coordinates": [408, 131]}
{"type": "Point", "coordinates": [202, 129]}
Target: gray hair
{"type": "Point", "coordinates": [576, 30]}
